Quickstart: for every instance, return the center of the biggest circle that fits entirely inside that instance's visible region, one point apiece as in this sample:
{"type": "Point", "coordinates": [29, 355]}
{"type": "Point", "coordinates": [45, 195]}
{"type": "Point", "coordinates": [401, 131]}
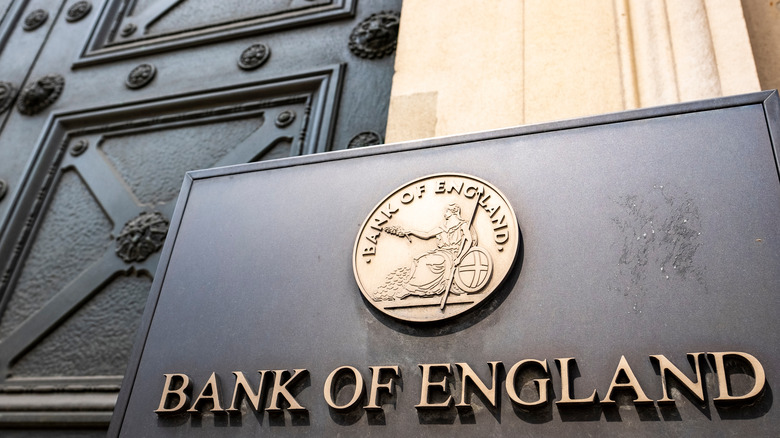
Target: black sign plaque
{"type": "Point", "coordinates": [631, 287]}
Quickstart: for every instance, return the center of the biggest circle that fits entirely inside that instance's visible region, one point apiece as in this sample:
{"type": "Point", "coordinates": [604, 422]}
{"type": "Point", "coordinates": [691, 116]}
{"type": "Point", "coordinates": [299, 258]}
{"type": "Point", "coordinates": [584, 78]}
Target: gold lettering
{"type": "Point", "coordinates": [427, 384]}
{"type": "Point", "coordinates": [280, 389]}
{"type": "Point", "coordinates": [454, 188]}
{"type": "Point", "coordinates": [329, 391]}
{"type": "Point", "coordinates": [372, 238]}
{"type": "Point", "coordinates": [541, 384]}
{"type": "Point", "coordinates": [665, 365]}
{"type": "Point", "coordinates": [483, 201]}
{"type": "Point", "coordinates": [243, 385]}
{"type": "Point", "coordinates": [723, 386]}
{"type": "Point", "coordinates": [632, 384]}
{"type": "Point", "coordinates": [406, 197]}
{"type": "Point", "coordinates": [389, 211]}
{"type": "Point", "coordinates": [420, 190]}
{"type": "Point", "coordinates": [567, 385]}
{"type": "Point", "coordinates": [179, 392]}
{"type": "Point", "coordinates": [472, 191]}
{"type": "Point", "coordinates": [379, 221]}
{"type": "Point", "coordinates": [501, 238]}
{"type": "Point", "coordinates": [467, 374]}
{"type": "Point", "coordinates": [373, 399]}
{"type": "Point", "coordinates": [369, 251]}
{"type": "Point", "coordinates": [440, 187]}
{"type": "Point", "coordinates": [213, 395]}
{"type": "Point", "coordinates": [493, 210]}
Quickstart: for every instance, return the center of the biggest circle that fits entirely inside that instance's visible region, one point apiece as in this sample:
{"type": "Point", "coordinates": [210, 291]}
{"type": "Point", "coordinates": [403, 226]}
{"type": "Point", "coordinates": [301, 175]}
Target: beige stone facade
{"type": "Point", "coordinates": [463, 68]}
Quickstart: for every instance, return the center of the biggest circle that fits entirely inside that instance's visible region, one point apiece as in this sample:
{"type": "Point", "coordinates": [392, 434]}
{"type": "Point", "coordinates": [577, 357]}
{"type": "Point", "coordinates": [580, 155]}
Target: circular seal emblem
{"type": "Point", "coordinates": [435, 248]}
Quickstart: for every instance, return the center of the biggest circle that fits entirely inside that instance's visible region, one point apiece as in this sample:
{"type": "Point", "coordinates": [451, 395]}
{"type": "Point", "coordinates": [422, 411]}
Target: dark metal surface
{"type": "Point", "coordinates": [83, 159]}
{"type": "Point", "coordinates": [646, 232]}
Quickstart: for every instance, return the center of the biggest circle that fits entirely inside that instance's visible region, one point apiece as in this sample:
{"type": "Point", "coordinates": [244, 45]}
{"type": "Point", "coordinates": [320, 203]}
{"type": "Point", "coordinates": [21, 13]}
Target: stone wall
{"type": "Point", "coordinates": [461, 68]}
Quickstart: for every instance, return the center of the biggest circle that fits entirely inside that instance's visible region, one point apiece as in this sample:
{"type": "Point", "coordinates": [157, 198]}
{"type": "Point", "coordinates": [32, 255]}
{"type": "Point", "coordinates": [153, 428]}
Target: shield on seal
{"type": "Point", "coordinates": [474, 270]}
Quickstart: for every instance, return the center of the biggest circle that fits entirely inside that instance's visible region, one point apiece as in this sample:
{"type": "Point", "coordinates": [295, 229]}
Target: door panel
{"type": "Point", "coordinates": [92, 177]}
{"type": "Point", "coordinates": [95, 340]}
{"type": "Point", "coordinates": [136, 27]}
{"type": "Point", "coordinates": [74, 234]}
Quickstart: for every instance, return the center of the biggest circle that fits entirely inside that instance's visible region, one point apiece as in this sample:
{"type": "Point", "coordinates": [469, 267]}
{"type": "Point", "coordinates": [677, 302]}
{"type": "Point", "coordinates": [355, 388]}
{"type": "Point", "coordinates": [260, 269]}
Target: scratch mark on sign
{"type": "Point", "coordinates": [660, 233]}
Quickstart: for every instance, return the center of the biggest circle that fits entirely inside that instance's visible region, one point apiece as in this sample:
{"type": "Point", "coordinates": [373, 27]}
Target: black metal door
{"type": "Point", "coordinates": [105, 106]}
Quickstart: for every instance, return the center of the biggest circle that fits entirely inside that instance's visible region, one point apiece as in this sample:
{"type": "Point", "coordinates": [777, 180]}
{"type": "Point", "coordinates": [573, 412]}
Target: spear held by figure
{"type": "Point", "coordinates": [459, 256]}
{"type": "Point", "coordinates": [442, 232]}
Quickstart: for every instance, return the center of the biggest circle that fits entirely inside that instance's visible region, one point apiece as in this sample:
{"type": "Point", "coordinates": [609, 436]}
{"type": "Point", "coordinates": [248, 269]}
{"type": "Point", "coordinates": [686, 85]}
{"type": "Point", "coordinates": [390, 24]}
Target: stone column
{"type": "Point", "coordinates": [763, 23]}
{"type": "Point", "coordinates": [466, 66]}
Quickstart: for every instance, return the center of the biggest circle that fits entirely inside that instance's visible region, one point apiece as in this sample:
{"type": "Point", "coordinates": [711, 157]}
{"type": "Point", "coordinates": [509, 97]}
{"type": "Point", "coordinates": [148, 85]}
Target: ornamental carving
{"type": "Point", "coordinates": [7, 95]}
{"type": "Point", "coordinates": [78, 11]}
{"type": "Point", "coordinates": [141, 237]}
{"type": "Point", "coordinates": [285, 118]}
{"type": "Point", "coordinates": [376, 36]}
{"type": "Point", "coordinates": [35, 19]}
{"type": "Point", "coordinates": [140, 76]}
{"type": "Point", "coordinates": [254, 56]}
{"type": "Point", "coordinates": [128, 30]}
{"type": "Point", "coordinates": [40, 94]}
{"type": "Point", "coordinates": [367, 138]}
{"type": "Point", "coordinates": [79, 147]}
